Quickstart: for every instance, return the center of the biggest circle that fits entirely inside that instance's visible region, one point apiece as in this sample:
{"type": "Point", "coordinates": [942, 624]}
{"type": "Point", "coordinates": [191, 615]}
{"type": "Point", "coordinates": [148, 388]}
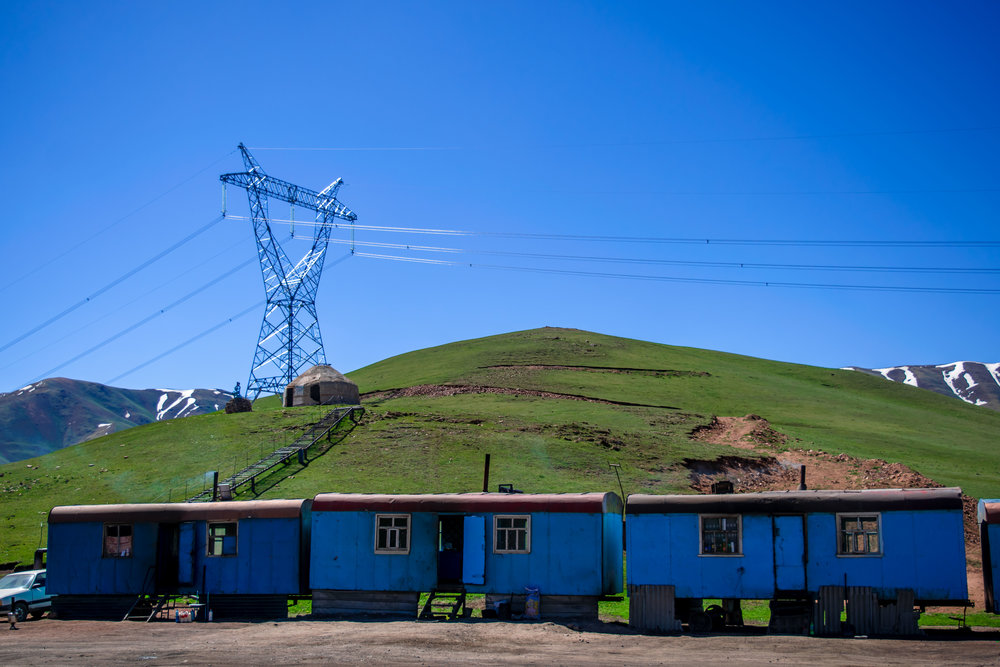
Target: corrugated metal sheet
{"type": "Point", "coordinates": [652, 607]}
{"type": "Point", "coordinates": [178, 512]}
{"type": "Point", "coordinates": [797, 502]}
{"type": "Point", "coordinates": [829, 605]}
{"type": "Point", "coordinates": [866, 616]}
{"type": "Point", "coordinates": [588, 503]}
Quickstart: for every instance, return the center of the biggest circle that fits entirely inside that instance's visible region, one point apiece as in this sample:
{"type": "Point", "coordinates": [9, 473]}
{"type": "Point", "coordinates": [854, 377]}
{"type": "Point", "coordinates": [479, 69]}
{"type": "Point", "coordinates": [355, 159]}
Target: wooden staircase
{"type": "Point", "coordinates": [444, 605]}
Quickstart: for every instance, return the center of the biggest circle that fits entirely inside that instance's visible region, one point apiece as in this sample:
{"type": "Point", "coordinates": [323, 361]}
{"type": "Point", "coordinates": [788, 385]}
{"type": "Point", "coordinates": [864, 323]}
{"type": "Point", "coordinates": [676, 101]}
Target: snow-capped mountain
{"type": "Point", "coordinates": [59, 412]}
{"type": "Point", "coordinates": [972, 381]}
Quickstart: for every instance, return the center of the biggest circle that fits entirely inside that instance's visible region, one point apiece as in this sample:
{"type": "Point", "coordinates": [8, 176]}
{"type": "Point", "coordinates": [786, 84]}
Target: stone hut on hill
{"type": "Point", "coordinates": [321, 385]}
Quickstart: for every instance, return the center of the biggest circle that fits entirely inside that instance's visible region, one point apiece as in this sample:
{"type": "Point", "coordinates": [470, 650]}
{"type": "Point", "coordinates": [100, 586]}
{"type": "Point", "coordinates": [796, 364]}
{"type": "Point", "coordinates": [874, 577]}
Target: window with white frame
{"type": "Point", "coordinates": [392, 533]}
{"type": "Point", "coordinates": [721, 535]}
{"type": "Point", "coordinates": [222, 538]}
{"type": "Point", "coordinates": [117, 540]}
{"type": "Point", "coordinates": [860, 534]}
{"type": "Point", "coordinates": [512, 534]}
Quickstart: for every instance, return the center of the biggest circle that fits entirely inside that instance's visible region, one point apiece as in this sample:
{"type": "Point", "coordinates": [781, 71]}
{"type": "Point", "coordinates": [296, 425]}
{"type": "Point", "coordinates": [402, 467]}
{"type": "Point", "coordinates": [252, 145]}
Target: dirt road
{"type": "Point", "coordinates": [305, 642]}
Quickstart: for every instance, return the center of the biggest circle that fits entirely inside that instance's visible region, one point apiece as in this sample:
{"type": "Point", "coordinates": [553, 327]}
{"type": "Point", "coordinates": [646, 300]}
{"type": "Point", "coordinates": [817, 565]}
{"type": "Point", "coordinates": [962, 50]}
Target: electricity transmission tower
{"type": "Point", "coordinates": [289, 340]}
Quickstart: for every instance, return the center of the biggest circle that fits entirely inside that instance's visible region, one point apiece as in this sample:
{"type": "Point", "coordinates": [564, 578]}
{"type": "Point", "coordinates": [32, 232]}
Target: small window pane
{"type": "Point", "coordinates": [720, 535]}
{"type": "Point", "coordinates": [392, 532]}
{"type": "Point", "coordinates": [222, 539]}
{"type": "Point", "coordinates": [511, 534]}
{"type": "Point", "coordinates": [859, 535]}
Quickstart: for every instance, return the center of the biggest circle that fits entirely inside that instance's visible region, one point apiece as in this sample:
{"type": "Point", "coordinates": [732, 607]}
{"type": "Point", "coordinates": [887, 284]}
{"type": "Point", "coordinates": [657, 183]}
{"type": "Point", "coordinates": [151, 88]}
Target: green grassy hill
{"type": "Point", "coordinates": [510, 397]}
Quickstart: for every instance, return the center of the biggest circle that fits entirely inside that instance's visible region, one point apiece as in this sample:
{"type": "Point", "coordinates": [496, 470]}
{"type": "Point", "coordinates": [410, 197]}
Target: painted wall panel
{"type": "Point", "coordinates": [566, 556]}
{"type": "Point", "coordinates": [789, 553]}
{"type": "Point", "coordinates": [76, 565]}
{"type": "Point", "coordinates": [991, 566]}
{"type": "Point", "coordinates": [613, 578]}
{"type": "Point", "coordinates": [923, 551]}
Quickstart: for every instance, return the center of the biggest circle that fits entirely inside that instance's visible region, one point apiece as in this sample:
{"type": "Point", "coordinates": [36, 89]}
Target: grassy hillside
{"type": "Point", "coordinates": [644, 401]}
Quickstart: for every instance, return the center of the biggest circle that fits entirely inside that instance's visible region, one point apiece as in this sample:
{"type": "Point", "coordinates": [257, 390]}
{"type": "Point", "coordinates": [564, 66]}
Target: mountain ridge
{"type": "Point", "coordinates": [58, 412]}
{"type": "Point", "coordinates": [974, 382]}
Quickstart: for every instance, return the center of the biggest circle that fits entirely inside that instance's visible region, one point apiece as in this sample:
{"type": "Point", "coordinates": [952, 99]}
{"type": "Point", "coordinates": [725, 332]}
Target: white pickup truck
{"type": "Point", "coordinates": [24, 593]}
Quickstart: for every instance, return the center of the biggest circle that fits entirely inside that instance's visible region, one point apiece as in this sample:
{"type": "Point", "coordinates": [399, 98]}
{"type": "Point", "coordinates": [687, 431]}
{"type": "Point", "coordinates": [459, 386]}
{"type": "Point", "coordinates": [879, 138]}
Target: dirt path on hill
{"type": "Point", "coordinates": [439, 390]}
{"type": "Point", "coordinates": [308, 642]}
{"type": "Point", "coordinates": [780, 472]}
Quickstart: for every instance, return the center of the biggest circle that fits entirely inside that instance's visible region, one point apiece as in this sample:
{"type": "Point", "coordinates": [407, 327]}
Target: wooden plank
{"type": "Point", "coordinates": [365, 603]}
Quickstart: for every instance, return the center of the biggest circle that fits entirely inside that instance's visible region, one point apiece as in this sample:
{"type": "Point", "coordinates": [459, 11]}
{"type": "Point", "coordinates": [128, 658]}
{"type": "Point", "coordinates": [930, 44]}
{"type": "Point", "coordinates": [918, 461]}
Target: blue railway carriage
{"type": "Point", "coordinates": [375, 554]}
{"type": "Point", "coordinates": [242, 557]}
{"type": "Point", "coordinates": [989, 532]}
{"type": "Point", "coordinates": [881, 551]}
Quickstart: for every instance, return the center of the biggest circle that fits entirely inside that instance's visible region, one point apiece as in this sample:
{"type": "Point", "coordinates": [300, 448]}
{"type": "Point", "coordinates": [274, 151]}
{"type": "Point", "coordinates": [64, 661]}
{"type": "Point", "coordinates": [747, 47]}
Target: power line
{"type": "Point", "coordinates": [706, 281]}
{"type": "Point", "coordinates": [116, 222]}
{"type": "Point", "coordinates": [76, 331]}
{"type": "Point", "coordinates": [672, 262]}
{"type": "Point", "coordinates": [210, 329]}
{"type": "Point", "coordinates": [856, 243]}
{"type": "Point", "coordinates": [659, 142]}
{"type": "Point", "coordinates": [116, 281]}
{"type": "Point", "coordinates": [194, 338]}
{"type": "Point", "coordinates": [146, 319]}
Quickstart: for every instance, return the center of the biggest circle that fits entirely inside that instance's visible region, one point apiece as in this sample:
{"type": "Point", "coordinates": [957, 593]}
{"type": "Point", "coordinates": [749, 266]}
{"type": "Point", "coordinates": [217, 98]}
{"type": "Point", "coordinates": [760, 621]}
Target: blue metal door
{"type": "Point", "coordinates": [789, 553]}
{"type": "Point", "coordinates": [185, 554]}
{"type": "Point", "coordinates": [474, 550]}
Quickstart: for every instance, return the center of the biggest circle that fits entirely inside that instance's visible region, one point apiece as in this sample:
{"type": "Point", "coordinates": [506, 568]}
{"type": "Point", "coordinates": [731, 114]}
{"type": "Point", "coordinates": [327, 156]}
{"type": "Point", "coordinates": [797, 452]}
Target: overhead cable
{"type": "Point", "coordinates": [647, 239]}
{"type": "Point", "coordinates": [146, 319]}
{"type": "Point", "coordinates": [120, 279]}
{"type": "Point", "coordinates": [707, 281]}
{"type": "Point", "coordinates": [654, 142]}
{"type": "Point", "coordinates": [669, 262]}
{"type": "Point", "coordinates": [194, 338]}
{"type": "Point", "coordinates": [125, 217]}
{"type": "Point", "coordinates": [75, 332]}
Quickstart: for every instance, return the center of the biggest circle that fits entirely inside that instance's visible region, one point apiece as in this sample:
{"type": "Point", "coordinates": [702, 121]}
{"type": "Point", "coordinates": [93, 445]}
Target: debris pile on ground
{"type": "Point", "coordinates": [239, 404]}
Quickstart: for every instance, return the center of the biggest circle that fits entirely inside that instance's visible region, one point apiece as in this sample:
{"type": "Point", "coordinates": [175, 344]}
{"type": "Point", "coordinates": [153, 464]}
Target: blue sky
{"type": "Point", "coordinates": [832, 122]}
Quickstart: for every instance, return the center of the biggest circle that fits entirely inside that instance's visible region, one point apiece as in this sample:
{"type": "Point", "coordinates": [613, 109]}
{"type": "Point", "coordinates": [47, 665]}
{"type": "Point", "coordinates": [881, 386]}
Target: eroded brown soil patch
{"type": "Point", "coordinates": [780, 472]}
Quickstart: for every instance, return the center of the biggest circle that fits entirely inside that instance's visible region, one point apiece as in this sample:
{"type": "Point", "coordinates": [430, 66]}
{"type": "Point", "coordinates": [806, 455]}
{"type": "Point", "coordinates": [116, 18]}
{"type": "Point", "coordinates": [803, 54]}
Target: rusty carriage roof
{"type": "Point", "coordinates": [178, 512]}
{"type": "Point", "coordinates": [989, 510]}
{"type": "Point", "coordinates": [587, 503]}
{"type": "Point", "coordinates": [800, 502]}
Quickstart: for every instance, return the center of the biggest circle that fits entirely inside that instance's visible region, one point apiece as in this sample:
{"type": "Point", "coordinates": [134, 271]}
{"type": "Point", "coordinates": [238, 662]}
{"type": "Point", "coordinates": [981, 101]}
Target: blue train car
{"type": "Point", "coordinates": [377, 553]}
{"type": "Point", "coordinates": [989, 532]}
{"type": "Point", "coordinates": [242, 556]}
{"type": "Point", "coordinates": [791, 545]}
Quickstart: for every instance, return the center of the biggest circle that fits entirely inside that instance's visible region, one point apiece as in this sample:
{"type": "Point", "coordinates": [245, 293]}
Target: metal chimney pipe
{"type": "Point", "coordinates": [486, 475]}
{"type": "Point", "coordinates": [802, 478]}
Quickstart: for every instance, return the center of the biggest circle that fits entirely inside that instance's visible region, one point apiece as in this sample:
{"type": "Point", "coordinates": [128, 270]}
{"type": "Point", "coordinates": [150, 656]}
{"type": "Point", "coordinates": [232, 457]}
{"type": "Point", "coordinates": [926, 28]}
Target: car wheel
{"type": "Point", "coordinates": [20, 611]}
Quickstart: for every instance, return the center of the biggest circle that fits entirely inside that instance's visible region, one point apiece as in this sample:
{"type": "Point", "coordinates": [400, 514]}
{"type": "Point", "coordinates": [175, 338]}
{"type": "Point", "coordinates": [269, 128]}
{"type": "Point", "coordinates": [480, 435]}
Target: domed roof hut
{"type": "Point", "coordinates": [321, 385]}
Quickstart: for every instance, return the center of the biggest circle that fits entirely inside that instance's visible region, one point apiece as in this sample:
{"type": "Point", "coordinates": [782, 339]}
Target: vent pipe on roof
{"type": "Point", "coordinates": [802, 478]}
{"type": "Point", "coordinates": [486, 475]}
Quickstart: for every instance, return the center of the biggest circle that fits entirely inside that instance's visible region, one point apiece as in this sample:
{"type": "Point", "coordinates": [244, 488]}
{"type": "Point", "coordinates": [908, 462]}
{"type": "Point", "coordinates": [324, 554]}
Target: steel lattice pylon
{"type": "Point", "coordinates": [289, 340]}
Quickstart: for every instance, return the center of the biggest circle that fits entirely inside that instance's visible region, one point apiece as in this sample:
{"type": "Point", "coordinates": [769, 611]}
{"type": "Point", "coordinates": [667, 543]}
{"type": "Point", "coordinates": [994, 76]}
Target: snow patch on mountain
{"type": "Point", "coordinates": [908, 376]}
{"type": "Point", "coordinates": [174, 404]}
{"type": "Point", "coordinates": [961, 381]}
{"type": "Point", "coordinates": [971, 381]}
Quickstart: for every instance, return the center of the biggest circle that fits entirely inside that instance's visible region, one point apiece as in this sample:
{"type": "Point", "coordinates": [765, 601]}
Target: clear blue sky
{"type": "Point", "coordinates": [846, 121]}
